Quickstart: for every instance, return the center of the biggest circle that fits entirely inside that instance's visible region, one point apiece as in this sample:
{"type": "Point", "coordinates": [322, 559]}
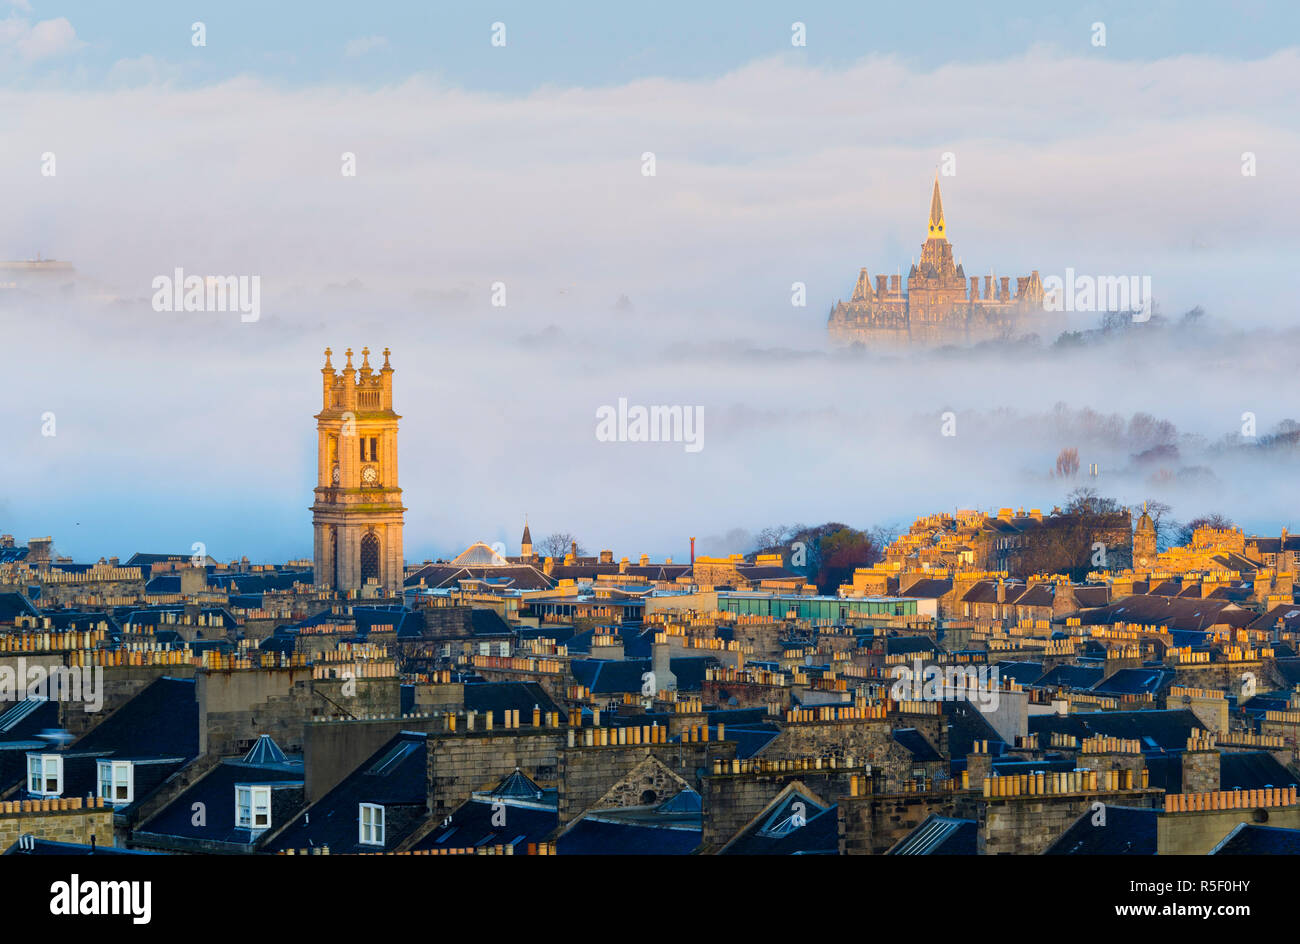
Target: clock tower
{"type": "Point", "coordinates": [358, 511]}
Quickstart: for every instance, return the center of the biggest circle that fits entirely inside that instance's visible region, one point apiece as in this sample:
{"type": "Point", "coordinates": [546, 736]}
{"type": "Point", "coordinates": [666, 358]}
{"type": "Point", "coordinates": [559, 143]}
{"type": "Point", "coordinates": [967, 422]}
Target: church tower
{"type": "Point", "coordinates": [526, 543]}
{"type": "Point", "coordinates": [358, 511]}
{"type": "Point", "coordinates": [1144, 542]}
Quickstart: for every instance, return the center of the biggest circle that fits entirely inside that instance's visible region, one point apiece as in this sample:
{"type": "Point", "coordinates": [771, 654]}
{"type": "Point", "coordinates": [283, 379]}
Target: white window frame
{"type": "Point", "coordinates": [370, 830]}
{"type": "Point", "coordinates": [114, 780]}
{"type": "Point", "coordinates": [40, 764]}
{"type": "Point", "coordinates": [252, 807]}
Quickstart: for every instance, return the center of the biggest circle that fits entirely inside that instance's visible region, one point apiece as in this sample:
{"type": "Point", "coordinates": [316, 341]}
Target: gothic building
{"type": "Point", "coordinates": [358, 510]}
{"type": "Point", "coordinates": [938, 307]}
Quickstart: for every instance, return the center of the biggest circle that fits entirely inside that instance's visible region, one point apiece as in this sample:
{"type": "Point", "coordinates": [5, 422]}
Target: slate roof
{"type": "Point", "coordinates": [1135, 681]}
{"type": "Point", "coordinates": [928, 588]}
{"type": "Point", "coordinates": [906, 645]}
{"type": "Point", "coordinates": [592, 835]}
{"type": "Point", "coordinates": [471, 825]}
{"type": "Point", "coordinates": [1076, 677]}
{"type": "Point", "coordinates": [1167, 729]}
{"type": "Point", "coordinates": [14, 605]}
{"type": "Point", "coordinates": [1288, 613]}
{"type": "Point", "coordinates": [1252, 770]}
{"type": "Point", "coordinates": [921, 749]}
{"type": "Point", "coordinates": [1024, 673]}
{"type": "Point", "coordinates": [939, 835]}
{"type": "Point", "coordinates": [514, 696]}
{"type": "Point", "coordinates": [966, 725]}
{"type": "Point", "coordinates": [1250, 839]}
{"type": "Point", "coordinates": [216, 791]}
{"type": "Point", "coordinates": [1127, 831]}
{"type": "Point", "coordinates": [604, 677]}
{"type": "Point", "coordinates": [1174, 612]}
{"type": "Point", "coordinates": [518, 576]}
{"type": "Point", "coordinates": [784, 829]}
{"type": "Point", "coordinates": [1092, 596]}
{"type": "Point", "coordinates": [394, 777]}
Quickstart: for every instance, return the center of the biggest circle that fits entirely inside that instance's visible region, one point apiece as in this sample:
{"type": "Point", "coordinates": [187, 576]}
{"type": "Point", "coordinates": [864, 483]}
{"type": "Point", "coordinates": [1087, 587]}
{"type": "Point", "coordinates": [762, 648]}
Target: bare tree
{"type": "Point", "coordinates": [1067, 463]}
{"type": "Point", "coordinates": [559, 544]}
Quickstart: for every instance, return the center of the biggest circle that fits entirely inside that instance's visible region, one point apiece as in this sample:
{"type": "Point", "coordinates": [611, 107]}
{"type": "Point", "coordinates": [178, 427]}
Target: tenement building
{"type": "Point", "coordinates": [937, 307]}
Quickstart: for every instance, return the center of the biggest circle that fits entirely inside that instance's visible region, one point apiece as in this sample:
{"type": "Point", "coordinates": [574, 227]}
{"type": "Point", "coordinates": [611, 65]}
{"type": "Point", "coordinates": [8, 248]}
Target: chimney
{"type": "Point", "coordinates": [895, 285]}
{"type": "Point", "coordinates": [974, 288]}
{"type": "Point", "coordinates": [692, 552]}
{"type": "Point", "coordinates": [988, 287]}
{"type": "Point", "coordinates": [607, 557]}
{"type": "Point", "coordinates": [881, 290]}
{"type": "Point", "coordinates": [1006, 288]}
{"type": "Point", "coordinates": [664, 679]}
{"type": "Point", "coordinates": [1002, 590]}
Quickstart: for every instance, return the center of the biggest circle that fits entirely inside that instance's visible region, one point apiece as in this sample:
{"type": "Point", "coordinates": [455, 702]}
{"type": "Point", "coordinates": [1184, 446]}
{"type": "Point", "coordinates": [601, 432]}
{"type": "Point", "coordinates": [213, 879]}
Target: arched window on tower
{"type": "Point", "coordinates": [369, 556]}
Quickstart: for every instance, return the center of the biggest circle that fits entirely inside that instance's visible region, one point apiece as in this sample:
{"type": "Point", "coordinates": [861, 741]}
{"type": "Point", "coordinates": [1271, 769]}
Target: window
{"type": "Point", "coordinates": [371, 825]}
{"type": "Point", "coordinates": [252, 807]}
{"type": "Point", "coordinates": [44, 774]}
{"type": "Point", "coordinates": [116, 784]}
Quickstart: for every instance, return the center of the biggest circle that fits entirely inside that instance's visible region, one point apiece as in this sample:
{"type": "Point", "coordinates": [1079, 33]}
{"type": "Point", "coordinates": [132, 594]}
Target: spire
{"type": "Point", "coordinates": [936, 212]}
{"type": "Point", "coordinates": [527, 540]}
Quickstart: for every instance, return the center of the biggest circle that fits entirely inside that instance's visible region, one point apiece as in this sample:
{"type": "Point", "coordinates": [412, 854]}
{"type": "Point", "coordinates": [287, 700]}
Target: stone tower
{"type": "Point", "coordinates": [1144, 542]}
{"type": "Point", "coordinates": [526, 543]}
{"type": "Point", "coordinates": [358, 511]}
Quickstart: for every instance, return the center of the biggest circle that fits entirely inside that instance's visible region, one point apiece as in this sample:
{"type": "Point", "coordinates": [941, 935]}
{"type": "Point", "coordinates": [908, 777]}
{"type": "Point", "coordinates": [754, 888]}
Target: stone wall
{"type": "Point", "coordinates": [1026, 825]}
{"type": "Point", "coordinates": [587, 773]}
{"type": "Point", "coordinates": [731, 801]}
{"type": "Point", "coordinates": [67, 825]}
{"type": "Point", "coordinates": [872, 824]}
{"type": "Point", "coordinates": [235, 706]}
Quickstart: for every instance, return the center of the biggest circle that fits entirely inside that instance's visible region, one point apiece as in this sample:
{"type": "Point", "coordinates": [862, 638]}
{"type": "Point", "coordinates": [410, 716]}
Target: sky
{"type": "Point", "coordinates": [523, 166]}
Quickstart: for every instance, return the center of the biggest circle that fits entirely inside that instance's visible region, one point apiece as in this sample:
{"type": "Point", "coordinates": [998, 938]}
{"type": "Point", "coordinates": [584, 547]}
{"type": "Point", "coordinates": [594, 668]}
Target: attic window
{"type": "Point", "coordinates": [252, 807]}
{"type": "Point", "coordinates": [116, 781]}
{"type": "Point", "coordinates": [371, 825]}
{"type": "Point", "coordinates": [45, 774]}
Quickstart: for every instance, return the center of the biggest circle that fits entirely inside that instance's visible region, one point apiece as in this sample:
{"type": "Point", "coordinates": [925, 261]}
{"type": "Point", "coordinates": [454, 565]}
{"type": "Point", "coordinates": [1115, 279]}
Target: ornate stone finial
{"type": "Point", "coordinates": [365, 358]}
{"type": "Point", "coordinates": [386, 353]}
{"type": "Point", "coordinates": [328, 365]}
{"type": "Point", "coordinates": [348, 352]}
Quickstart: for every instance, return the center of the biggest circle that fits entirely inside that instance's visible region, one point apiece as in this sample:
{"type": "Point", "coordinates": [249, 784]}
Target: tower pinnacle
{"type": "Point", "coordinates": [936, 213]}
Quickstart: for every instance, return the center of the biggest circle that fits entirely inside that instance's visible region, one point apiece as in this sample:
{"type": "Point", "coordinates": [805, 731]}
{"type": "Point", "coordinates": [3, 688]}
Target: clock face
{"type": "Point", "coordinates": [369, 475]}
{"type": "Point", "coordinates": [336, 475]}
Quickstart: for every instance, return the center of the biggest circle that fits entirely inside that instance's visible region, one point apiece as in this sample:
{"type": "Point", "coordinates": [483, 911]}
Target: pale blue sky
{"type": "Point", "coordinates": [601, 43]}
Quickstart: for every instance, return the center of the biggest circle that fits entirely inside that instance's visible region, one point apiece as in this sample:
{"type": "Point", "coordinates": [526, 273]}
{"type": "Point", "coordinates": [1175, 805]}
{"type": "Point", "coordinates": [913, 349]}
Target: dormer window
{"type": "Point", "coordinates": [116, 781]}
{"type": "Point", "coordinates": [45, 774]}
{"type": "Point", "coordinates": [252, 807]}
{"type": "Point", "coordinates": [371, 825]}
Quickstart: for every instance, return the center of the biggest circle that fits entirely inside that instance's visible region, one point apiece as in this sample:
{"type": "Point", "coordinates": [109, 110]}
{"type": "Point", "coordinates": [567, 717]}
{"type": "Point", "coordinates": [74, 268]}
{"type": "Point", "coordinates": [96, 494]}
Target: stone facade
{"type": "Point", "coordinates": [358, 511]}
{"type": "Point", "coordinates": [937, 307]}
